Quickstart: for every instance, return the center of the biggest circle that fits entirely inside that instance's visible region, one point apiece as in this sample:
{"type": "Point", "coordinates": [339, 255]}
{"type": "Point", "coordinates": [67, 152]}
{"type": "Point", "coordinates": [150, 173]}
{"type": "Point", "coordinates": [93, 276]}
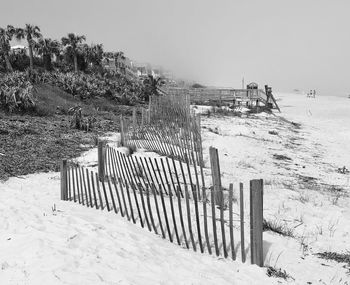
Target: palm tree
{"type": "Point", "coordinates": [30, 33]}
{"type": "Point", "coordinates": [119, 58]}
{"type": "Point", "coordinates": [46, 47]}
{"type": "Point", "coordinates": [152, 85]}
{"type": "Point", "coordinates": [6, 36]}
{"type": "Point", "coordinates": [93, 53]}
{"type": "Point", "coordinates": [72, 43]}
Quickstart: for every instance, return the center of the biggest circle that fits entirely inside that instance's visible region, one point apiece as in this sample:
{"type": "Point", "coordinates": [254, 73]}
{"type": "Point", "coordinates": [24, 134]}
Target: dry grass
{"type": "Point", "coordinates": [277, 227]}
{"type": "Point", "coordinates": [338, 257]}
{"type": "Point", "coordinates": [278, 273]}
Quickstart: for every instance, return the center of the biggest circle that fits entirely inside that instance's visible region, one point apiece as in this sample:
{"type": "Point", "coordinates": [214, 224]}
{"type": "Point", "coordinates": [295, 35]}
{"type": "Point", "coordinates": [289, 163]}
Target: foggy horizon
{"type": "Point", "coordinates": [287, 45]}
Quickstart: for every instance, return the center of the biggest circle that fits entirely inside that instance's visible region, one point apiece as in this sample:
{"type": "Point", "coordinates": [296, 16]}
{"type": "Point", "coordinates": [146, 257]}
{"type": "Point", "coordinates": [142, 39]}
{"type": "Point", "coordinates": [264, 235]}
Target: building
{"type": "Point", "coordinates": [20, 49]}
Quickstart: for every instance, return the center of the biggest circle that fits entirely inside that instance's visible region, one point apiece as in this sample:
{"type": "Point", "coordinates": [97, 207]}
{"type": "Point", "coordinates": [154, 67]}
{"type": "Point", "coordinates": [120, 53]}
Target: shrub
{"type": "Point", "coordinates": [16, 92]}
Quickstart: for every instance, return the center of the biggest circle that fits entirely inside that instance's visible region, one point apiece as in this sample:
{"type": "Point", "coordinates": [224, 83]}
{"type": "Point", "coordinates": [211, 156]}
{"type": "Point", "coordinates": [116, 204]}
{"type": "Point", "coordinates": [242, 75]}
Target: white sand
{"type": "Point", "coordinates": [77, 245]}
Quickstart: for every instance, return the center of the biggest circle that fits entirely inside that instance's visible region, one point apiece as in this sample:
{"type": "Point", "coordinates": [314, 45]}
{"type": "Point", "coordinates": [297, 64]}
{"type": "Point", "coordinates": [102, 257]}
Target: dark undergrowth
{"type": "Point", "coordinates": [36, 141]}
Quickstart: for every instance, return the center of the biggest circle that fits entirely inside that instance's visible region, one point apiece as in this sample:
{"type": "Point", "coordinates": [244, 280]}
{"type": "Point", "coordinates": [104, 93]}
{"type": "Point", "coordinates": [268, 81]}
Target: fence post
{"type": "Point", "coordinates": [64, 180]}
{"type": "Point", "coordinates": [101, 160]}
{"type": "Point", "coordinates": [134, 119]}
{"type": "Point", "coordinates": [122, 142]}
{"type": "Point", "coordinates": [256, 221]}
{"type": "Point", "coordinates": [215, 172]}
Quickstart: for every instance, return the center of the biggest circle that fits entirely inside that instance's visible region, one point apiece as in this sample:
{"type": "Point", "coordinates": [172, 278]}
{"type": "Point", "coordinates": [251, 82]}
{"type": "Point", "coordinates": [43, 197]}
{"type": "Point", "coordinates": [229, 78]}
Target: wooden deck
{"type": "Point", "coordinates": [250, 97]}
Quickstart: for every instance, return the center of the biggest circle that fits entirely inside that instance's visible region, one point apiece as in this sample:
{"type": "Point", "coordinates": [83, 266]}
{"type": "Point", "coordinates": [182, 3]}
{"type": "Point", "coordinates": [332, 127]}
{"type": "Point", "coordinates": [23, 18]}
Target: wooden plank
{"type": "Point", "coordinates": [73, 183]}
{"type": "Point", "coordinates": [123, 199]}
{"type": "Point", "coordinates": [165, 213]}
{"type": "Point", "coordinates": [189, 218]}
{"type": "Point", "coordinates": [112, 196]}
{"type": "Point", "coordinates": [82, 186]}
{"type": "Point", "coordinates": [89, 188]}
{"type": "Point", "coordinates": [256, 222]}
{"type": "Point", "coordinates": [214, 222]}
{"type": "Point", "coordinates": [64, 195]}
{"type": "Point", "coordinates": [181, 218]}
{"type": "Point", "coordinates": [118, 197]}
{"type": "Point", "coordinates": [85, 188]}
{"type": "Point", "coordinates": [241, 207]}
{"type": "Point", "coordinates": [99, 191]}
{"type": "Point", "coordinates": [165, 175]}
{"type": "Point", "coordinates": [170, 174]}
{"type": "Point", "coordinates": [173, 214]}
{"type": "Point", "coordinates": [101, 160]}
{"type": "Point", "coordinates": [93, 189]}
{"type": "Point", "coordinates": [194, 193]}
{"type": "Point", "coordinates": [78, 181]}
{"type": "Point", "coordinates": [144, 207]}
{"type": "Point", "coordinates": [150, 209]}
{"type": "Point", "coordinates": [133, 187]}
{"type": "Point", "coordinates": [130, 203]}
{"type": "Point", "coordinates": [230, 210]}
{"type": "Point", "coordinates": [157, 208]}
{"type": "Point", "coordinates": [177, 177]}
{"type": "Point", "coordinates": [222, 221]}
{"type": "Point", "coordinates": [105, 194]}
{"type": "Point", "coordinates": [204, 201]}
{"type": "Point", "coordinates": [69, 180]}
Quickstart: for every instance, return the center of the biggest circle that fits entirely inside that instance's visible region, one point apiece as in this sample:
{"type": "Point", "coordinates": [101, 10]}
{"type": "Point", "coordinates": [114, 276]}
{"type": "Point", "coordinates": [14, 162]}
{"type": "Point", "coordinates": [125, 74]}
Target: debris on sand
{"type": "Point", "coordinates": [281, 157]}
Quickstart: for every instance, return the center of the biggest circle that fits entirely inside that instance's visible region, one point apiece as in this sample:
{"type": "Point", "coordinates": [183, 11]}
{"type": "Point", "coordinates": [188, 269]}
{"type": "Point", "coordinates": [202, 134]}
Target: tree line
{"type": "Point", "coordinates": [71, 52]}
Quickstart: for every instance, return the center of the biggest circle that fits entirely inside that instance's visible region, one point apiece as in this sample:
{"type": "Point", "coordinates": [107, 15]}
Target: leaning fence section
{"type": "Point", "coordinates": [167, 127]}
{"type": "Point", "coordinates": [156, 196]}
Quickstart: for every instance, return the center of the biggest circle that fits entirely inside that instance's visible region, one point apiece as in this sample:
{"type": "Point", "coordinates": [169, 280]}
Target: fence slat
{"type": "Point", "coordinates": [111, 193]}
{"type": "Point", "coordinates": [194, 193]}
{"type": "Point", "coordinates": [222, 221]}
{"type": "Point", "coordinates": [144, 207]}
{"type": "Point", "coordinates": [241, 206]}
{"type": "Point", "coordinates": [173, 214]}
{"type": "Point", "coordinates": [89, 188]}
{"type": "Point", "coordinates": [115, 183]}
{"type": "Point", "coordinates": [105, 194]}
{"type": "Point", "coordinates": [177, 177]}
{"type": "Point", "coordinates": [181, 218]}
{"type": "Point", "coordinates": [204, 201]}
{"type": "Point", "coordinates": [157, 208]}
{"type": "Point", "coordinates": [230, 210]}
{"type": "Point", "coordinates": [150, 209]}
{"type": "Point", "coordinates": [214, 221]}
{"type": "Point", "coordinates": [189, 218]}
{"type": "Point", "coordinates": [99, 191]}
{"type": "Point", "coordinates": [83, 186]}
{"type": "Point", "coordinates": [165, 213]}
{"type": "Point", "coordinates": [130, 204]}
{"type": "Point", "coordinates": [137, 205]}
{"type": "Point", "coordinates": [93, 189]}
{"type": "Point", "coordinates": [73, 183]}
{"type": "Point", "coordinates": [77, 183]}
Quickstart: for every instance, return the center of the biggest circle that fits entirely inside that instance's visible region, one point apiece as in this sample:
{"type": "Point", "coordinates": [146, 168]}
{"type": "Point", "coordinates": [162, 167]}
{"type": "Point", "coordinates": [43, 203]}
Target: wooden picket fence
{"type": "Point", "coordinates": [167, 127]}
{"type": "Point", "coordinates": [163, 197]}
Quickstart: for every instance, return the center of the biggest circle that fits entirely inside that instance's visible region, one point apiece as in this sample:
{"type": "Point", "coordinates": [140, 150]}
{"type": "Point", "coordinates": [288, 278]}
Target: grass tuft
{"type": "Point", "coordinates": [338, 257]}
{"type": "Point", "coordinates": [278, 273]}
{"type": "Point", "coordinates": [277, 227]}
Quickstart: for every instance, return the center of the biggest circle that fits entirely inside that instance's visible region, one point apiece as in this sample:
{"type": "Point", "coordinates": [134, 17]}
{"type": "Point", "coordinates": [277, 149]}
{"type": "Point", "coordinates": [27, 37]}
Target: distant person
{"type": "Point", "coordinates": [314, 93]}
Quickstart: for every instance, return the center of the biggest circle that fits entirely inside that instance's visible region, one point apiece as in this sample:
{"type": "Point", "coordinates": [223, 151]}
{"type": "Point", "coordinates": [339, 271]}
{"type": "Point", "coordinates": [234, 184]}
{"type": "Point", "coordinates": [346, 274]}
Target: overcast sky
{"type": "Point", "coordinates": [288, 44]}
